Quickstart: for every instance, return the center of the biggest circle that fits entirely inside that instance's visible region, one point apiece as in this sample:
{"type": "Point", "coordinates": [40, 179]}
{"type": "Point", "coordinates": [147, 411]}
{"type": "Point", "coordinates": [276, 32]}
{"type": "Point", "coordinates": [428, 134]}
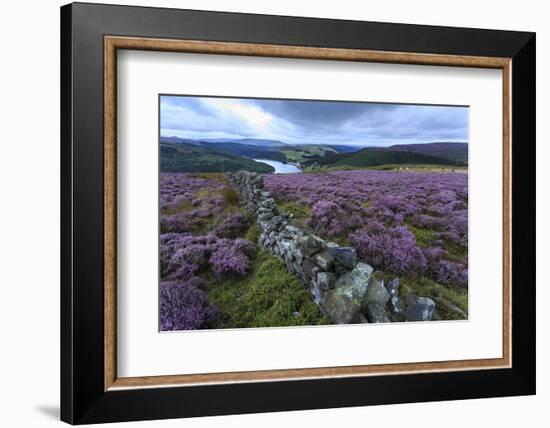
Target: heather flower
{"type": "Point", "coordinates": [329, 219]}
{"type": "Point", "coordinates": [232, 256]}
{"type": "Point", "coordinates": [231, 225]}
{"type": "Point", "coordinates": [451, 273]}
{"type": "Point", "coordinates": [394, 250]}
{"type": "Point", "coordinates": [184, 306]}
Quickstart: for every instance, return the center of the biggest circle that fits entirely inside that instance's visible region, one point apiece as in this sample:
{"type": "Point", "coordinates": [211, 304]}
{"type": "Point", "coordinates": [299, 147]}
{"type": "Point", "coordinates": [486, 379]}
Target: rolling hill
{"type": "Point", "coordinates": [370, 157]}
{"type": "Point", "coordinates": [453, 151]}
{"type": "Point", "coordinates": [342, 148]}
{"type": "Point", "coordinates": [301, 153]}
{"type": "Point", "coordinates": [270, 152]}
{"type": "Point", "coordinates": [247, 141]}
{"type": "Point", "coordinates": [257, 152]}
{"type": "Point", "coordinates": [184, 157]}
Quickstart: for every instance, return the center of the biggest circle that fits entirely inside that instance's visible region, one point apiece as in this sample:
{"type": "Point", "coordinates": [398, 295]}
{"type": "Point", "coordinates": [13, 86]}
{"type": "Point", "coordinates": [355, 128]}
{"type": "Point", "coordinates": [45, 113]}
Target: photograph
{"type": "Point", "coordinates": [280, 212]}
{"type": "Point", "coordinates": [262, 211]}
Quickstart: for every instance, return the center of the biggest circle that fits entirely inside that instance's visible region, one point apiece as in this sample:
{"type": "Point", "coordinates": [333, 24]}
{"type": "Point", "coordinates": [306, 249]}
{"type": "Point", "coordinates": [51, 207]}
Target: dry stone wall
{"type": "Point", "coordinates": [343, 287]}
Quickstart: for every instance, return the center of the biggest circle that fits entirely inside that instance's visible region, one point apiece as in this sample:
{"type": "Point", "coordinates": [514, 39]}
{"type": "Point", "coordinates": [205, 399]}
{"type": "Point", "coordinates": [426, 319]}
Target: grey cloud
{"type": "Point", "coordinates": [318, 122]}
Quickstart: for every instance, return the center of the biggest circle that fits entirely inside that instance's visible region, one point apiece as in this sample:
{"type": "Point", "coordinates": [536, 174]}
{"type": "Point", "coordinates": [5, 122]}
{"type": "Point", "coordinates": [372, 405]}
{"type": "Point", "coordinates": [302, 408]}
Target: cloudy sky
{"type": "Point", "coordinates": [311, 122]}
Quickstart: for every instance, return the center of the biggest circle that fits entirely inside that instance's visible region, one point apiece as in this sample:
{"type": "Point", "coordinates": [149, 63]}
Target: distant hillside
{"type": "Point", "coordinates": [177, 140]}
{"type": "Point", "coordinates": [271, 152]}
{"type": "Point", "coordinates": [375, 157]}
{"type": "Point", "coordinates": [247, 141]}
{"type": "Point", "coordinates": [454, 151]}
{"type": "Point", "coordinates": [303, 152]}
{"type": "Point", "coordinates": [257, 152]}
{"type": "Point", "coordinates": [345, 149]}
{"type": "Point", "coordinates": [184, 157]}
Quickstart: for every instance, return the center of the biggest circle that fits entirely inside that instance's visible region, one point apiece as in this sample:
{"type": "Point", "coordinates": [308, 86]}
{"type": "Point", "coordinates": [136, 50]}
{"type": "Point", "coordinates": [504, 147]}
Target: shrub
{"type": "Point", "coordinates": [451, 273]}
{"type": "Point", "coordinates": [232, 256]}
{"type": "Point", "coordinates": [231, 225]}
{"type": "Point", "coordinates": [184, 306]}
{"type": "Point", "coordinates": [394, 250]}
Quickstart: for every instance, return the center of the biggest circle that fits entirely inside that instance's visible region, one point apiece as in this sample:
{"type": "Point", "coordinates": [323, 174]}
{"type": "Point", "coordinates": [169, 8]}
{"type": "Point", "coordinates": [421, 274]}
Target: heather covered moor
{"type": "Point", "coordinates": [215, 275]}
{"type": "Point", "coordinates": [258, 232]}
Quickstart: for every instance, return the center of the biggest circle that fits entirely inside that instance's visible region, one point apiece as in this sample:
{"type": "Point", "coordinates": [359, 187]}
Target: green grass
{"type": "Point", "coordinates": [456, 252]}
{"type": "Point", "coordinates": [253, 233]}
{"type": "Point", "coordinates": [184, 206]}
{"type": "Point", "coordinates": [300, 212]}
{"type": "Point", "coordinates": [424, 237]}
{"type": "Point", "coordinates": [269, 296]}
{"type": "Point", "coordinates": [445, 297]}
{"type": "Point", "coordinates": [216, 176]}
{"type": "Point", "coordinates": [230, 196]}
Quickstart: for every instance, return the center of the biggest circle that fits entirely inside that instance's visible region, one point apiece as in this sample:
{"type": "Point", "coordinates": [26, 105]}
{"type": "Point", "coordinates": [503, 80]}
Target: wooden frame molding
{"type": "Point", "coordinates": [113, 43]}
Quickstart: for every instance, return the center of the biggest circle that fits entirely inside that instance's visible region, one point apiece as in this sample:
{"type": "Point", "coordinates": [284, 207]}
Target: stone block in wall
{"type": "Point", "coordinates": [340, 307]}
{"type": "Point", "coordinates": [326, 280]}
{"type": "Point", "coordinates": [324, 260]}
{"type": "Point", "coordinates": [346, 256]}
{"type": "Point", "coordinates": [377, 313]}
{"type": "Point", "coordinates": [310, 268]}
{"type": "Point", "coordinates": [355, 283]}
{"type": "Point", "coordinates": [419, 308]}
{"type": "Point", "coordinates": [376, 299]}
{"type": "Point", "coordinates": [310, 244]}
{"type": "Point", "coordinates": [396, 304]}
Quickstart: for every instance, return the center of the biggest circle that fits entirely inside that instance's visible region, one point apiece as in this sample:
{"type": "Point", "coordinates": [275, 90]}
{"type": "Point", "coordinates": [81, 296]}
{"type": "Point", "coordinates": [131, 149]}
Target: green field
{"type": "Point", "coordinates": [299, 154]}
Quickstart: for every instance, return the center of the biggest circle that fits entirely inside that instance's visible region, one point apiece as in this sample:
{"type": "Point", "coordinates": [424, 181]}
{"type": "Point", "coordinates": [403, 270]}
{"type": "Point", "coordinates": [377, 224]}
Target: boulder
{"type": "Point", "coordinates": [393, 287]}
{"type": "Point", "coordinates": [419, 308]}
{"type": "Point", "coordinates": [396, 304]}
{"type": "Point", "coordinates": [376, 313]}
{"type": "Point", "coordinates": [297, 268]}
{"type": "Point", "coordinates": [347, 256]}
{"type": "Point", "coordinates": [377, 293]}
{"type": "Point", "coordinates": [309, 268]}
{"type": "Point", "coordinates": [284, 246]}
{"type": "Point", "coordinates": [397, 309]}
{"type": "Point", "coordinates": [265, 216]}
{"type": "Point", "coordinates": [276, 220]}
{"type": "Point", "coordinates": [291, 230]}
{"type": "Point", "coordinates": [316, 292]}
{"type": "Point", "coordinates": [355, 283]}
{"type": "Point", "coordinates": [325, 280]}
{"type": "Point", "coordinates": [298, 254]}
{"type": "Point", "coordinates": [363, 319]}
{"type": "Point", "coordinates": [324, 260]}
{"type": "Point", "coordinates": [341, 308]}
{"type": "Point", "coordinates": [310, 245]}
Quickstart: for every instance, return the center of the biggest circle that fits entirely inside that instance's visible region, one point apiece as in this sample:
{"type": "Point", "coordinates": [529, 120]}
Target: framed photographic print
{"type": "Point", "coordinates": [266, 213]}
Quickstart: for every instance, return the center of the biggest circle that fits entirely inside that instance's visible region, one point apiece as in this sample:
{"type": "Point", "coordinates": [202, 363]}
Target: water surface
{"type": "Point", "coordinates": [280, 168]}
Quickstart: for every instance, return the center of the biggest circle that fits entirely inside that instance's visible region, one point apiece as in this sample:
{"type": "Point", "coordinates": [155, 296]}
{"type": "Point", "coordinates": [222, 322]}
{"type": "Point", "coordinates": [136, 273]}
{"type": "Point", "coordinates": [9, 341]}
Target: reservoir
{"type": "Point", "coordinates": [280, 168]}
